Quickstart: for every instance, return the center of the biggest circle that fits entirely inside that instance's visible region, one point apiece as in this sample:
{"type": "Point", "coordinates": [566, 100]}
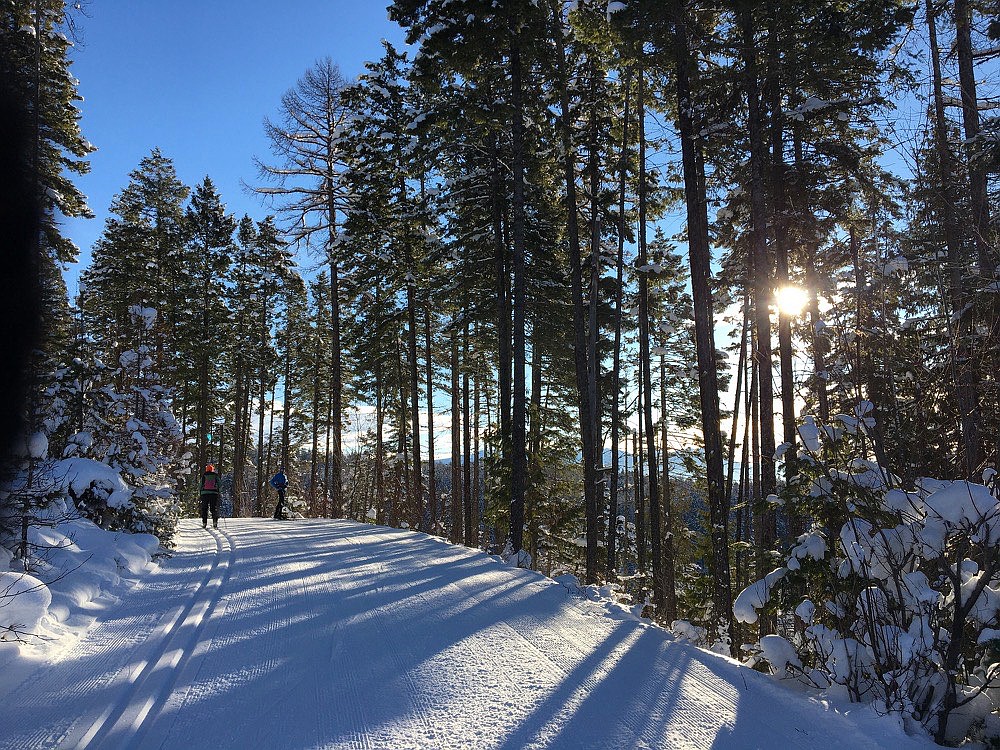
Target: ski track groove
{"type": "Point", "coordinates": [173, 640]}
{"type": "Point", "coordinates": [180, 720]}
{"type": "Point", "coordinates": [110, 651]}
{"type": "Point", "coordinates": [191, 660]}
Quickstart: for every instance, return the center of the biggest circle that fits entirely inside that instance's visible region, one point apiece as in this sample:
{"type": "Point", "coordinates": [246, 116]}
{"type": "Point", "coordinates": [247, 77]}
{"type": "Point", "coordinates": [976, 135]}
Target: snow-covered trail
{"type": "Point", "coordinates": [333, 634]}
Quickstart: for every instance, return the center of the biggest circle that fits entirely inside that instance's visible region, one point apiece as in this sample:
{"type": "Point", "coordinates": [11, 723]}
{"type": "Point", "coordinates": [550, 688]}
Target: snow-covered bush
{"type": "Point", "coordinates": [118, 415]}
{"type": "Point", "coordinates": [896, 591]}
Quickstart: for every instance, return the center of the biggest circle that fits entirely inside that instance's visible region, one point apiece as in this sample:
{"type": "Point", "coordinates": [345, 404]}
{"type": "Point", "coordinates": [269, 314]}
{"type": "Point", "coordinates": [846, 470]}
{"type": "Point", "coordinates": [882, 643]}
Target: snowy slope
{"type": "Point", "coordinates": [334, 634]}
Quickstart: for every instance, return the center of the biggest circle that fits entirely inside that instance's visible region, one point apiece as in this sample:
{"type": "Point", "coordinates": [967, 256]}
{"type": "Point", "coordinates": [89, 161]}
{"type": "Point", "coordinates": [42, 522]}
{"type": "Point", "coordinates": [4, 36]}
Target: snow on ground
{"type": "Point", "coordinates": [76, 571]}
{"type": "Point", "coordinates": [334, 634]}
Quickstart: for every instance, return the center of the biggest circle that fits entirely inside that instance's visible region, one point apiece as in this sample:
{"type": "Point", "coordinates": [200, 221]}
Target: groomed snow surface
{"type": "Point", "coordinates": [332, 634]}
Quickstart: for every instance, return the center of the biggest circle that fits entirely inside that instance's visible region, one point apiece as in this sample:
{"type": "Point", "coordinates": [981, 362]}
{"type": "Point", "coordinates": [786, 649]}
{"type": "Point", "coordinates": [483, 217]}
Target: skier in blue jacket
{"type": "Point", "coordinates": [279, 481]}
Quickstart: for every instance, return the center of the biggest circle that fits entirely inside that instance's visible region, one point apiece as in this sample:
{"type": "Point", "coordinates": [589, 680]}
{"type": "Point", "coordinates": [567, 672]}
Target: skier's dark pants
{"type": "Point", "coordinates": [210, 500]}
{"type": "Point", "coordinates": [278, 511]}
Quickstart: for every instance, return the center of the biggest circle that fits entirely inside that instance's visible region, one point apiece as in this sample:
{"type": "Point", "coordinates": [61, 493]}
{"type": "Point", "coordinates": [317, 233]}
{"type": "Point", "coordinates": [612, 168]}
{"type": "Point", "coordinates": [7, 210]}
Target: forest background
{"type": "Point", "coordinates": [573, 228]}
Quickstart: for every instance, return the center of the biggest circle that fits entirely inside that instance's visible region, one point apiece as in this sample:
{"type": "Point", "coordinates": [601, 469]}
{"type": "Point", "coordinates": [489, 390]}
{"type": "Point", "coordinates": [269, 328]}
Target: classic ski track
{"type": "Point", "coordinates": [714, 699]}
{"type": "Point", "coordinates": [120, 713]}
{"type": "Point", "coordinates": [345, 662]}
{"type": "Point", "coordinates": [179, 720]}
{"type": "Point", "coordinates": [111, 647]}
{"type": "Point", "coordinates": [188, 663]}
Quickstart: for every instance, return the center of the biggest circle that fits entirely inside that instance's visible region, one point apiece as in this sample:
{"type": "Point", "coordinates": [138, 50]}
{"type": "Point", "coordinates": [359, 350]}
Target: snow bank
{"type": "Point", "coordinates": [75, 568]}
{"type": "Point", "coordinates": [24, 602]}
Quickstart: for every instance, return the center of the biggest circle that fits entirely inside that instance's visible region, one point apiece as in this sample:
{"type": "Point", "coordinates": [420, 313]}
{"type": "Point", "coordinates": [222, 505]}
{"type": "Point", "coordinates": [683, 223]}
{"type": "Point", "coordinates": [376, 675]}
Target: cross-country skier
{"type": "Point", "coordinates": [210, 496]}
{"type": "Point", "coordinates": [279, 481]}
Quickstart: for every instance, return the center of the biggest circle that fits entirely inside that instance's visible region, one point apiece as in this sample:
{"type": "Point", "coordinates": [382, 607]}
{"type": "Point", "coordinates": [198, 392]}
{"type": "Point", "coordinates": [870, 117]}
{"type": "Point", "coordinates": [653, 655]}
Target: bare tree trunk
{"type": "Point", "coordinates": [580, 344]}
{"type": "Point", "coordinates": [701, 288]}
{"type": "Point", "coordinates": [966, 390]}
{"type": "Point", "coordinates": [669, 579]}
{"type": "Point", "coordinates": [261, 468]}
{"type": "Point", "coordinates": [640, 497]}
{"type": "Point", "coordinates": [379, 484]}
{"type": "Point", "coordinates": [336, 458]}
{"type": "Point", "coordinates": [780, 232]}
{"type": "Point", "coordinates": [476, 489]}
{"type": "Point", "coordinates": [239, 446]}
{"type": "Point", "coordinates": [519, 463]}
{"type": "Point", "coordinates": [401, 494]}
{"type": "Point", "coordinates": [470, 540]}
{"type": "Point", "coordinates": [979, 201]}
{"type": "Point", "coordinates": [594, 169]}
{"type": "Point", "coordinates": [431, 482]}
{"type": "Point", "coordinates": [740, 370]}
{"type": "Point", "coordinates": [534, 445]}
{"type": "Point", "coordinates": [457, 534]}
{"type": "Point", "coordinates": [659, 592]}
{"type": "Point", "coordinates": [314, 508]}
{"type": "Point", "coordinates": [612, 570]}
{"type": "Point", "coordinates": [286, 406]}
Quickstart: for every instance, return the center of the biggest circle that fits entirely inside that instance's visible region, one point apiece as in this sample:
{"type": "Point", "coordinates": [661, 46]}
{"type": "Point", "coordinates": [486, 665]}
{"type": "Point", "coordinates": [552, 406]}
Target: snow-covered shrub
{"type": "Point", "coordinates": [896, 591]}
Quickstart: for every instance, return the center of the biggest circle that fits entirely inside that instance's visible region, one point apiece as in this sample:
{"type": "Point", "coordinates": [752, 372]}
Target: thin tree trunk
{"type": "Point", "coordinates": [466, 442]}
{"type": "Point", "coordinates": [416, 511]}
{"type": "Point", "coordinates": [656, 552]}
{"type": "Point", "coordinates": [335, 488]}
{"type": "Point", "coordinates": [979, 201]}
{"type": "Point", "coordinates": [286, 405]}
{"type": "Point", "coordinates": [669, 578]}
{"type": "Point", "coordinates": [700, 261]}
{"type": "Point", "coordinates": [456, 442]}
{"type": "Point", "coordinates": [238, 442]}
{"type": "Point", "coordinates": [476, 489]}
{"type": "Point", "coordinates": [640, 497]}
{"type": "Point", "coordinates": [534, 445]}
{"type": "Point", "coordinates": [502, 270]}
{"type": "Point", "coordinates": [966, 388]}
{"type": "Point", "coordinates": [402, 494]}
{"type": "Point", "coordinates": [314, 460]}
{"type": "Point", "coordinates": [740, 369]}
{"type": "Point", "coordinates": [519, 464]}
{"type": "Point", "coordinates": [379, 484]}
{"type": "Point", "coordinates": [431, 481]}
{"type": "Point", "coordinates": [580, 345]}
{"type": "Point", "coordinates": [617, 355]}
{"type": "Point", "coordinates": [594, 169]}
{"type": "Point", "coordinates": [796, 524]}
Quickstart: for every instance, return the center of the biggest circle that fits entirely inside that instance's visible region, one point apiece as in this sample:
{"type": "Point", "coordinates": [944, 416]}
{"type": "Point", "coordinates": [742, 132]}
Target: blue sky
{"type": "Point", "coordinates": [196, 78]}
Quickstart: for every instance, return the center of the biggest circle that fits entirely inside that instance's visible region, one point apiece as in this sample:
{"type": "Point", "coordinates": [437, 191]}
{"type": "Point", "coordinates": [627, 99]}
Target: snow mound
{"type": "Point", "coordinates": [24, 602]}
{"type": "Point", "coordinates": [75, 568]}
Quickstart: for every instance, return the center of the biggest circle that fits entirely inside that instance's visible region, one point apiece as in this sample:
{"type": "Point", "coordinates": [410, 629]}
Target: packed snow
{"type": "Point", "coordinates": [342, 635]}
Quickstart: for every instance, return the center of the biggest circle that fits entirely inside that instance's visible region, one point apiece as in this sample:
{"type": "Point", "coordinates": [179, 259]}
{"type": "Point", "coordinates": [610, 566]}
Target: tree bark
{"type": "Point", "coordinates": [580, 345]}
{"type": "Point", "coordinates": [700, 261]}
{"type": "Point", "coordinates": [979, 202]}
{"type": "Point", "coordinates": [457, 534]}
{"type": "Point", "coordinates": [519, 463]}
{"type": "Point", "coordinates": [612, 543]}
{"type": "Point", "coordinates": [659, 591]}
{"type": "Point", "coordinates": [429, 363]}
